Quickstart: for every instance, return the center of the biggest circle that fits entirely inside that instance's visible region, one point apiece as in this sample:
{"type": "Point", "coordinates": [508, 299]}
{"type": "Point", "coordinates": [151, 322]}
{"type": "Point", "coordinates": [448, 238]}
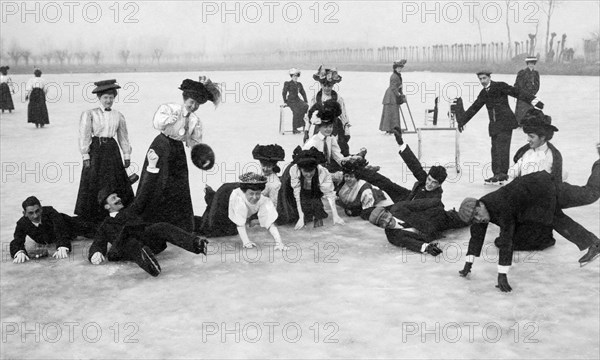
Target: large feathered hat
{"type": "Point", "coordinates": [327, 76]}
{"type": "Point", "coordinates": [202, 91]}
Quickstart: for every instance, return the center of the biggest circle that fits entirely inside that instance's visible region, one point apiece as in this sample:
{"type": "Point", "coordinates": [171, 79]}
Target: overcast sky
{"type": "Point", "coordinates": [255, 26]}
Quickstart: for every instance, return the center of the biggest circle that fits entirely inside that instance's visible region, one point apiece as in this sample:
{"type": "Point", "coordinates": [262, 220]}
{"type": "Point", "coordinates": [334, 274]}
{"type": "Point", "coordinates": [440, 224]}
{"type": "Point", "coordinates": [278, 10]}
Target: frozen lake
{"type": "Point", "coordinates": [346, 284]}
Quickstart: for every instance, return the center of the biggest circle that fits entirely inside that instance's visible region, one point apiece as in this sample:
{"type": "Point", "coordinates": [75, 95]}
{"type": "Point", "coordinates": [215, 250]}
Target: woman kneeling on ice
{"type": "Point", "coordinates": [229, 209]}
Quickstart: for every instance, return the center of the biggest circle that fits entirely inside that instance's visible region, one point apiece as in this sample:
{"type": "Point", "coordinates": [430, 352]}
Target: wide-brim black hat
{"type": "Point", "coordinates": [327, 76]}
{"type": "Point", "coordinates": [270, 153]}
{"type": "Point", "coordinates": [201, 91]}
{"type": "Point", "coordinates": [535, 119]}
{"type": "Point", "coordinates": [308, 158]}
{"type": "Point", "coordinates": [105, 85]}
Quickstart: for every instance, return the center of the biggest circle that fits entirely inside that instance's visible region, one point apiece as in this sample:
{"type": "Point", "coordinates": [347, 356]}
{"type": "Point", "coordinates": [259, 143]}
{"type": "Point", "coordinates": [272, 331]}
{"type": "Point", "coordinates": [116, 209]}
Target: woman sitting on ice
{"type": "Point", "coordinates": [231, 206]}
{"type": "Point", "coordinates": [304, 183]}
{"type": "Point", "coordinates": [269, 155]}
{"type": "Point", "coordinates": [356, 195]}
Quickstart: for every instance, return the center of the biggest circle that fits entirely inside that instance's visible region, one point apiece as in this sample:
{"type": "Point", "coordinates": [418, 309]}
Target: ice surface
{"type": "Point", "coordinates": [366, 297]}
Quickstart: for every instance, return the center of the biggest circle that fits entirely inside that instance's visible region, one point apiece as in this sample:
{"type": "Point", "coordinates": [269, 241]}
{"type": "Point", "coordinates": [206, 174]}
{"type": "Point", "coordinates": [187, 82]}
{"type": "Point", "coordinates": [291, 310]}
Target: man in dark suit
{"type": "Point", "coordinates": [502, 120]}
{"type": "Point", "coordinates": [45, 226]}
{"type": "Point", "coordinates": [131, 237]}
{"type": "Point", "coordinates": [528, 199]}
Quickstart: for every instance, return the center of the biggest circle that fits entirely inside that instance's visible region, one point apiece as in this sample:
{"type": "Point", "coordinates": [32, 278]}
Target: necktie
{"type": "Point", "coordinates": [186, 126]}
{"type": "Point", "coordinates": [326, 149]}
{"type": "Point", "coordinates": [107, 109]}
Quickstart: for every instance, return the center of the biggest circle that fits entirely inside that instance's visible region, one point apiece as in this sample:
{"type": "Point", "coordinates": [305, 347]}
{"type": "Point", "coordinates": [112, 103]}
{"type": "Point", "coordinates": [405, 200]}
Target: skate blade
{"type": "Point", "coordinates": [582, 264]}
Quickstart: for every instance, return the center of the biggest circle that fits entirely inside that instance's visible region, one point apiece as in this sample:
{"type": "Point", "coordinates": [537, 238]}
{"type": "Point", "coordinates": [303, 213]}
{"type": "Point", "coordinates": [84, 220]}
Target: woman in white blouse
{"type": "Point", "coordinates": [230, 209]}
{"type": "Point", "coordinates": [6, 101]}
{"type": "Point", "coordinates": [37, 112]}
{"type": "Point", "coordinates": [102, 162]}
{"type": "Point", "coordinates": [178, 126]}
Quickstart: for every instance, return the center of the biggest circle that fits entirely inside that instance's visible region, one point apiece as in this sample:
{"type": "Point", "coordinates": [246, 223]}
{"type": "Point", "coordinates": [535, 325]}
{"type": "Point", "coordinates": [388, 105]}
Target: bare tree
{"type": "Point", "coordinates": [480, 38]}
{"type": "Point", "coordinates": [96, 55]}
{"type": "Point", "coordinates": [124, 55]}
{"type": "Point", "coordinates": [509, 50]}
{"type": "Point", "coordinates": [14, 53]}
{"type": "Point", "coordinates": [80, 55]}
{"type": "Point", "coordinates": [26, 54]}
{"type": "Point", "coordinates": [48, 55]}
{"type": "Point", "coordinates": [548, 7]}
{"type": "Point", "coordinates": [157, 55]}
{"type": "Point", "coordinates": [61, 56]}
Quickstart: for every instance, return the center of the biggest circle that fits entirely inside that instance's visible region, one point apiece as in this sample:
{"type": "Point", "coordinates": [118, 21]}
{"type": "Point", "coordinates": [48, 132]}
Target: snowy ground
{"type": "Point", "coordinates": [341, 291]}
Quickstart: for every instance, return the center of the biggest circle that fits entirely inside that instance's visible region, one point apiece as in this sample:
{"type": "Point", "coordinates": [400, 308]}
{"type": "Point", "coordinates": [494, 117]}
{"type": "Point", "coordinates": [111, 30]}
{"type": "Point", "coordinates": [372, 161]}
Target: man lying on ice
{"type": "Point", "coordinates": [132, 238]}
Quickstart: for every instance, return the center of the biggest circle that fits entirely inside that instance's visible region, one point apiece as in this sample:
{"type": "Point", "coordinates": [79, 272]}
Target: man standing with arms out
{"type": "Point", "coordinates": [502, 120]}
{"type": "Point", "coordinates": [528, 81]}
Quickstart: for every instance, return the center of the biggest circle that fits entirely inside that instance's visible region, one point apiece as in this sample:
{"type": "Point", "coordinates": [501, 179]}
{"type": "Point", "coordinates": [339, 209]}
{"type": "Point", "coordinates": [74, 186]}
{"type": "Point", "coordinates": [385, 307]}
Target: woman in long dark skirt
{"type": "Point", "coordinates": [393, 98]}
{"type": "Point", "coordinates": [102, 162]}
{"type": "Point", "coordinates": [37, 112]}
{"type": "Point", "coordinates": [291, 89]}
{"type": "Point", "coordinates": [304, 184]}
{"type": "Point", "coordinates": [6, 101]}
{"type": "Point", "coordinates": [178, 124]}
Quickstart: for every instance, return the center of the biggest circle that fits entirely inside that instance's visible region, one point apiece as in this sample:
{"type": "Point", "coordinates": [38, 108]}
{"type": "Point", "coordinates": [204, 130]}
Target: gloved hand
{"type": "Point", "coordinates": [503, 283]}
{"type": "Point", "coordinates": [61, 253]}
{"type": "Point", "coordinates": [461, 126]}
{"type": "Point", "coordinates": [20, 257]}
{"type": "Point", "coordinates": [398, 134]}
{"type": "Point", "coordinates": [433, 249]}
{"type": "Point", "coordinates": [97, 258]}
{"type": "Point", "coordinates": [127, 163]}
{"type": "Point", "coordinates": [466, 270]}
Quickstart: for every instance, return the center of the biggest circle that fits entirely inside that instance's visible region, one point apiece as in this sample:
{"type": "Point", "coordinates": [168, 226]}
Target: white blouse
{"type": "Point", "coordinates": [100, 123]}
{"type": "Point", "coordinates": [176, 122]}
{"type": "Point", "coordinates": [240, 209]}
{"type": "Point", "coordinates": [35, 83]}
{"type": "Point", "coordinates": [272, 188]}
{"type": "Point", "coordinates": [533, 160]}
{"type": "Point", "coordinates": [325, 182]}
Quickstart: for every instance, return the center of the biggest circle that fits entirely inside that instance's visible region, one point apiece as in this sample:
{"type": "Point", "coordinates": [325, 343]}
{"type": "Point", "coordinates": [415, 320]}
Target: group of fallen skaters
{"type": "Point", "coordinates": [128, 227]}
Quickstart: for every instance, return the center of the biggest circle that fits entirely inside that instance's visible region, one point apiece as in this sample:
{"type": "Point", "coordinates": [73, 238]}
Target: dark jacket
{"type": "Point", "coordinates": [394, 91]}
{"type": "Point", "coordinates": [291, 90]}
{"type": "Point", "coordinates": [127, 222]}
{"type": "Point", "coordinates": [557, 161]}
{"type": "Point", "coordinates": [53, 229]}
{"type": "Point", "coordinates": [527, 199]}
{"type": "Point", "coordinates": [528, 81]}
{"type": "Point", "coordinates": [418, 191]}
{"type": "Point", "coordinates": [496, 100]}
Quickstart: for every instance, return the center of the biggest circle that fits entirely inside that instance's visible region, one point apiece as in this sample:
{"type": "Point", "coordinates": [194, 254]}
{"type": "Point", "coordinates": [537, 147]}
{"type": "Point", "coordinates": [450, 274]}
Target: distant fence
{"type": "Point", "coordinates": [494, 52]}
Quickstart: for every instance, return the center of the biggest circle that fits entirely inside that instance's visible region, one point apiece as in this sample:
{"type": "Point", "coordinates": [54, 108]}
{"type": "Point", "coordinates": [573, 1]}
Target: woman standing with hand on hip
{"type": "Point", "coordinates": [102, 162]}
